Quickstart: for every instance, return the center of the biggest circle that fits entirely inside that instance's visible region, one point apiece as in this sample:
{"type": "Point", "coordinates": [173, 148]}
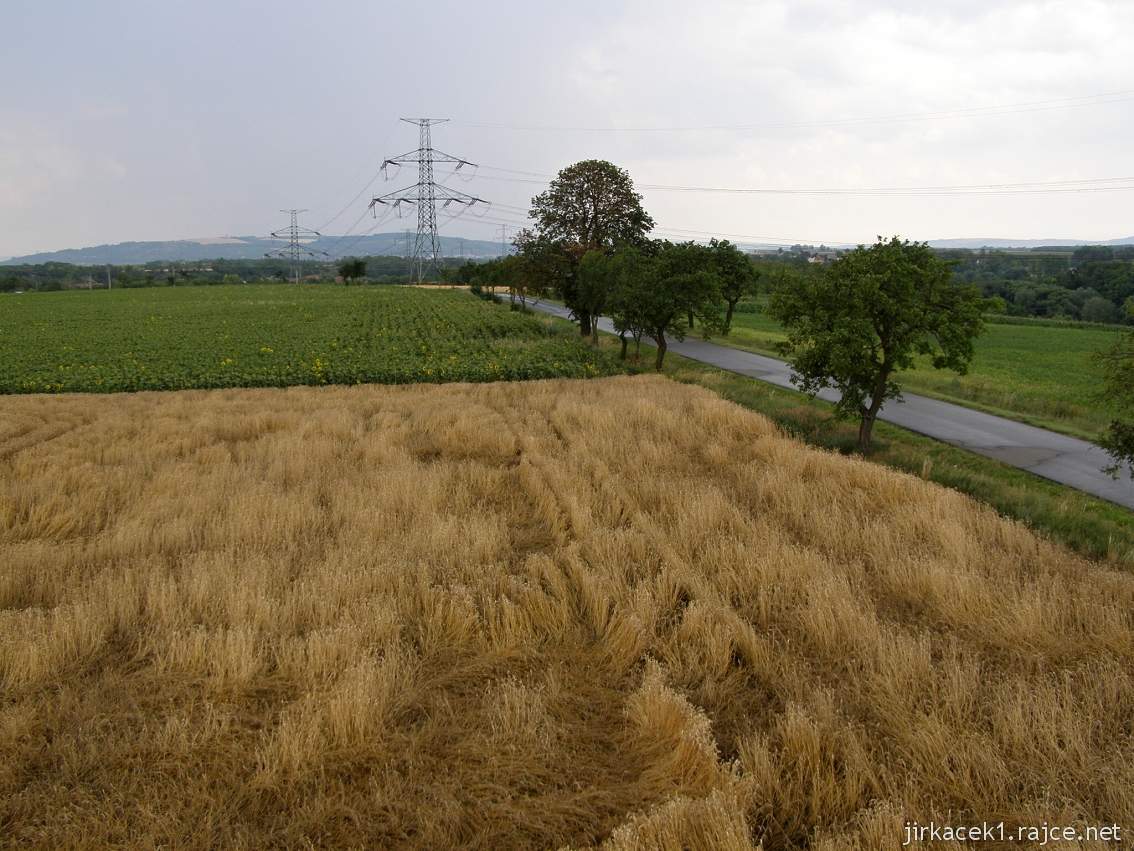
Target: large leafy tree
{"type": "Point", "coordinates": [544, 260]}
{"type": "Point", "coordinates": [736, 274]}
{"type": "Point", "coordinates": [1118, 395]}
{"type": "Point", "coordinates": [632, 273]}
{"type": "Point", "coordinates": [589, 206]}
{"type": "Point", "coordinates": [597, 278]}
{"type": "Point", "coordinates": [866, 319]}
{"type": "Point", "coordinates": [482, 276]}
{"type": "Point", "coordinates": [352, 268]}
{"type": "Point", "coordinates": [658, 291]}
{"type": "Point", "coordinates": [521, 278]}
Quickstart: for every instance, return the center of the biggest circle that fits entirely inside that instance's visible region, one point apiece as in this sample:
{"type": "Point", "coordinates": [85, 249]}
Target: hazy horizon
{"type": "Point", "coordinates": [137, 122]}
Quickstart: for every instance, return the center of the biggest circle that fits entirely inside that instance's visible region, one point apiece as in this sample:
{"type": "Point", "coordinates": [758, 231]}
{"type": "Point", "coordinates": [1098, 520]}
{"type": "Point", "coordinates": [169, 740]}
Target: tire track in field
{"type": "Point", "coordinates": [548, 519]}
{"type": "Point", "coordinates": [26, 436]}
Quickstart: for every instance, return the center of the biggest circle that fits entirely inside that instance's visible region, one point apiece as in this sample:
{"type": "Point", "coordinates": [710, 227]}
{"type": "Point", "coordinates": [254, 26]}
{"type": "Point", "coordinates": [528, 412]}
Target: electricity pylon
{"type": "Point", "coordinates": [295, 235]}
{"type": "Point", "coordinates": [425, 194]}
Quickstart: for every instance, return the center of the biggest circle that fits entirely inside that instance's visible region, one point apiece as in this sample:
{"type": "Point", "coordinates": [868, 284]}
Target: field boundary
{"type": "Point", "coordinates": [1060, 458]}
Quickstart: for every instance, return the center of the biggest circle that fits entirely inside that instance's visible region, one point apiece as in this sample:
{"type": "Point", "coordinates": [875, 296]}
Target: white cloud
{"type": "Point", "coordinates": [204, 119]}
{"type": "Point", "coordinates": [731, 63]}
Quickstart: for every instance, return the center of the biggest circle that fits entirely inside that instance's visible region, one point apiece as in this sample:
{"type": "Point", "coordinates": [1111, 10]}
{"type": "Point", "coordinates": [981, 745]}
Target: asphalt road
{"type": "Point", "coordinates": [1062, 459]}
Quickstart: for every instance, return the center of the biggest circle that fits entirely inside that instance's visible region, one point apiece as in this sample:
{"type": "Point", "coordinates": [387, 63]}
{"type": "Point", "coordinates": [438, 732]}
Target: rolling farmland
{"type": "Point", "coordinates": [481, 615]}
{"type": "Point", "coordinates": [273, 336]}
{"type": "Point", "coordinates": [480, 532]}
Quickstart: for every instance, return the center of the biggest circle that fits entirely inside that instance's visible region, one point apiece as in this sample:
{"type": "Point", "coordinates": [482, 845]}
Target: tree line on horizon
{"type": "Point", "coordinates": [54, 276]}
{"type": "Point", "coordinates": [1090, 283]}
{"type": "Point", "coordinates": [1085, 284]}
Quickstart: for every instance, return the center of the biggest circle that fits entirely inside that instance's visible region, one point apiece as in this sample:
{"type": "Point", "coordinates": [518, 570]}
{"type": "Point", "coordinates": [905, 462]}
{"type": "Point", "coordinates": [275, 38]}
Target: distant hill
{"type": "Point", "coordinates": [391, 244]}
{"type": "Point", "coordinates": [980, 242]}
{"type": "Point", "coordinates": [247, 248]}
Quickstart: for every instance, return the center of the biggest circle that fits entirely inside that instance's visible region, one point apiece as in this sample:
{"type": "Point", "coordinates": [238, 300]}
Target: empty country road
{"type": "Point", "coordinates": [1067, 460]}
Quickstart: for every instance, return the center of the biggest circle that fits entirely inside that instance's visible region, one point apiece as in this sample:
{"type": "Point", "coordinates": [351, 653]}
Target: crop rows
{"type": "Point", "coordinates": [274, 336]}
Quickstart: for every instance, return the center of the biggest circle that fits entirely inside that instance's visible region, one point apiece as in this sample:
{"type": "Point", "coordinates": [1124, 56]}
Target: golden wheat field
{"type": "Point", "coordinates": [620, 612]}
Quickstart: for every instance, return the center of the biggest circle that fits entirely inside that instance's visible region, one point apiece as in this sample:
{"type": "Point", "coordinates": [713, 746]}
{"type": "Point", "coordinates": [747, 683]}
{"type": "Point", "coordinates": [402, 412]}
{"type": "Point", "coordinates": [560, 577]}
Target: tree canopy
{"type": "Point", "coordinates": [599, 275]}
{"type": "Point", "coordinates": [868, 316]}
{"type": "Point", "coordinates": [736, 275]}
{"type": "Point", "coordinates": [1118, 394]}
{"type": "Point", "coordinates": [351, 268]}
{"type": "Point", "coordinates": [589, 206]}
{"type": "Point", "coordinates": [651, 292]}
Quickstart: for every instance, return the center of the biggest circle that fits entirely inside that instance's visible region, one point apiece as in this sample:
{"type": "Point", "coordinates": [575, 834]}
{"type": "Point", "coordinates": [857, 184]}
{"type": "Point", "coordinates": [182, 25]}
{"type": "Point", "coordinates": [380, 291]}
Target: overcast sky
{"type": "Point", "coordinates": [164, 120]}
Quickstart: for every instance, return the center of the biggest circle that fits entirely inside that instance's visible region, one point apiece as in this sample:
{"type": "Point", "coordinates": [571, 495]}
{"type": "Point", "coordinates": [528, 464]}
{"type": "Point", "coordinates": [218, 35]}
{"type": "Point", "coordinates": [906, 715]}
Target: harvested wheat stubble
{"type": "Point", "coordinates": [619, 612]}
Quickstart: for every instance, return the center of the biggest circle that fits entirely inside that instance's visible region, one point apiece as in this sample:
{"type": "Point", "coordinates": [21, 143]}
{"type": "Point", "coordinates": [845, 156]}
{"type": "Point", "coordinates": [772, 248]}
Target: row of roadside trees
{"type": "Point", "coordinates": [590, 247]}
{"type": "Point", "coordinates": [661, 289]}
{"type": "Point", "coordinates": [854, 326]}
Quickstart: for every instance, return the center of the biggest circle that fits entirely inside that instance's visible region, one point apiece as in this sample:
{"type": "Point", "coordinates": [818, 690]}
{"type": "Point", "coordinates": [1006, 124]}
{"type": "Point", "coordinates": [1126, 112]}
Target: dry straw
{"type": "Point", "coordinates": [619, 612]}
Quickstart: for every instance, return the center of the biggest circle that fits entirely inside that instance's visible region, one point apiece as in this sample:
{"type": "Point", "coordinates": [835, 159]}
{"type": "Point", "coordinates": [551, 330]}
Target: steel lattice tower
{"type": "Point", "coordinates": [295, 234]}
{"type": "Point", "coordinates": [425, 194]}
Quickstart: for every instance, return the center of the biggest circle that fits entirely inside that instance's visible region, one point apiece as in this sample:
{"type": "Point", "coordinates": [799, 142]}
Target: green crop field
{"type": "Point", "coordinates": [1036, 373]}
{"type": "Point", "coordinates": [275, 335]}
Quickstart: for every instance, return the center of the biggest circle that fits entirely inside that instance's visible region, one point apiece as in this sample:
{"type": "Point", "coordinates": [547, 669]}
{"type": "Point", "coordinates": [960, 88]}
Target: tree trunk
{"type": "Point", "coordinates": [864, 429]}
{"type": "Point", "coordinates": [625, 343]}
{"type": "Point", "coordinates": [661, 352]}
{"type": "Point", "coordinates": [584, 323]}
{"type": "Point", "coordinates": [594, 332]}
{"type": "Point", "coordinates": [728, 317]}
{"type": "Point", "coordinates": [870, 414]}
{"type": "Point", "coordinates": [690, 318]}
{"type": "Point", "coordinates": [638, 347]}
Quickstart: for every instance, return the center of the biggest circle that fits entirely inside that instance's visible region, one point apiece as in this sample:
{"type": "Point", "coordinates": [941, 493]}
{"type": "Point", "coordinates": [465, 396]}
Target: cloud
{"type": "Point", "coordinates": [776, 64]}
{"type": "Point", "coordinates": [204, 119]}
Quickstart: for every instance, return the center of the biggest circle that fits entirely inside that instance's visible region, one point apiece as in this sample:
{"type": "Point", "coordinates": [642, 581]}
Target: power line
{"type": "Point", "coordinates": [351, 202]}
{"type": "Point", "coordinates": [1094, 184]}
{"type": "Point", "coordinates": [674, 232]}
{"type": "Point", "coordinates": [891, 192]}
{"type": "Point", "coordinates": [688, 233]}
{"type": "Point", "coordinates": [340, 251]}
{"type": "Point", "coordinates": [512, 208]}
{"type": "Point", "coordinates": [661, 229]}
{"type": "Point", "coordinates": [425, 194]}
{"type": "Point", "coordinates": [1089, 185]}
{"type": "Point", "coordinates": [495, 221]}
{"type": "Point", "coordinates": [455, 216]}
{"type": "Point", "coordinates": [678, 232]}
{"type": "Point", "coordinates": [1101, 98]}
{"type": "Point", "coordinates": [354, 200]}
{"type": "Point", "coordinates": [339, 239]}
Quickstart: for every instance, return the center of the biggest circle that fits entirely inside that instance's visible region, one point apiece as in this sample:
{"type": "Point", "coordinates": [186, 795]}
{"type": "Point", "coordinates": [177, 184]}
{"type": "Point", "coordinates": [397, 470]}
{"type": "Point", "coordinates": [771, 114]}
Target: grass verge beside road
{"type": "Point", "coordinates": [1093, 527]}
{"type": "Point", "coordinates": [1038, 373]}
